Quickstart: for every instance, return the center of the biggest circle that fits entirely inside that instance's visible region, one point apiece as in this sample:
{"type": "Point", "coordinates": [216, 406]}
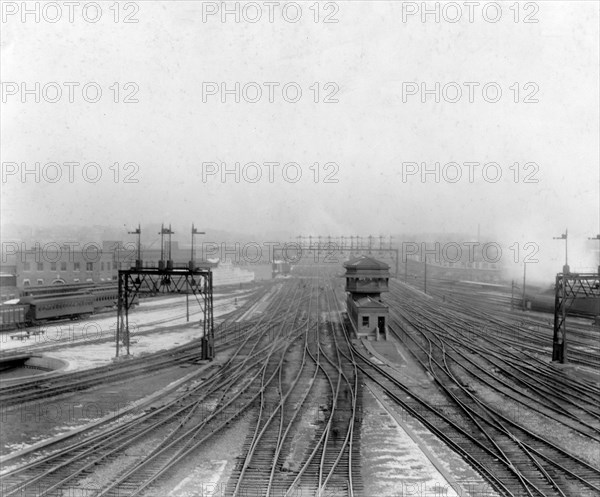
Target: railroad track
{"type": "Point", "coordinates": [522, 460]}
{"type": "Point", "coordinates": [177, 428]}
{"type": "Point", "coordinates": [228, 333]}
{"type": "Point", "coordinates": [71, 341]}
{"type": "Point", "coordinates": [275, 462]}
{"type": "Point", "coordinates": [534, 333]}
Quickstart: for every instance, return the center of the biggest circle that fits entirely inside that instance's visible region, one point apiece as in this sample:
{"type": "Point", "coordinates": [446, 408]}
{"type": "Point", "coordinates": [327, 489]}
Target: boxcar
{"type": "Point", "coordinates": [13, 316]}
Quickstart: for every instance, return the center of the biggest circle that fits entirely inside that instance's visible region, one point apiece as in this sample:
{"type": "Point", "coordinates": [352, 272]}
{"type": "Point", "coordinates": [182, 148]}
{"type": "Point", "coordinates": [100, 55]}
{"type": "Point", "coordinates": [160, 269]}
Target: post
{"type": "Point", "coordinates": [170, 233]}
{"type": "Point", "coordinates": [204, 340]}
{"type": "Point", "coordinates": [139, 244]}
{"type": "Point", "coordinates": [194, 232]}
{"type": "Point", "coordinates": [119, 313]}
{"type": "Point", "coordinates": [564, 320]}
{"type": "Point", "coordinates": [597, 237]}
{"type": "Point", "coordinates": [425, 275]}
{"type": "Point", "coordinates": [127, 312]}
{"type": "Point", "coordinates": [192, 254]}
{"type": "Point", "coordinates": [512, 295]}
{"type": "Point", "coordinates": [524, 304]}
{"type": "Point", "coordinates": [187, 298]}
{"type": "Point", "coordinates": [566, 248]}
{"type": "Point", "coordinates": [162, 244]}
{"type": "Point", "coordinates": [138, 232]}
{"type": "Point", "coordinates": [211, 321]}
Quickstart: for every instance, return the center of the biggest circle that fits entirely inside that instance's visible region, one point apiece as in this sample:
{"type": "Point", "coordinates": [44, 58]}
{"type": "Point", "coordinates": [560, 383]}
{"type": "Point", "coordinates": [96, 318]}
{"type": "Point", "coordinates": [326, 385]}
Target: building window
{"type": "Point", "coordinates": [53, 266]}
{"type": "Point", "coordinates": [365, 320]}
{"type": "Point", "coordinates": [102, 266]}
{"type": "Point", "coordinates": [76, 266]}
{"type": "Point", "coordinates": [89, 280]}
{"type": "Point", "coordinates": [40, 281]}
{"type": "Point", "coordinates": [26, 266]}
{"type": "Point", "coordinates": [108, 266]}
{"type": "Point", "coordinates": [40, 266]}
{"type": "Point", "coordinates": [63, 266]}
{"type": "Point", "coordinates": [89, 266]}
{"type": "Point", "coordinates": [26, 282]}
{"type": "Point", "coordinates": [76, 280]}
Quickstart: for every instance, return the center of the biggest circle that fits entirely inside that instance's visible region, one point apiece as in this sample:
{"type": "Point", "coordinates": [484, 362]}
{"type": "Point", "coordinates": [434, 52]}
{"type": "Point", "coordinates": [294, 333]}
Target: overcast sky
{"type": "Point", "coordinates": [363, 61]}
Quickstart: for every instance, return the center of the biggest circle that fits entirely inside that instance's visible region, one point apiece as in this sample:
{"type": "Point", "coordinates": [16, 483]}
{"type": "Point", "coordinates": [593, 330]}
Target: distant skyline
{"type": "Point", "coordinates": [545, 257]}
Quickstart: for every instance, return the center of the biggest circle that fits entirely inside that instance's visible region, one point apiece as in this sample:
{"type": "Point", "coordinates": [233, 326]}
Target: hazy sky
{"type": "Point", "coordinates": [365, 60]}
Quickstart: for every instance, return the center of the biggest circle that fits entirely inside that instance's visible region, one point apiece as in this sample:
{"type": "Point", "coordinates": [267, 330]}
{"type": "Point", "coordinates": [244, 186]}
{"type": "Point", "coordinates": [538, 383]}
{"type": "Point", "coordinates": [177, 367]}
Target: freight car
{"type": "Point", "coordinates": [12, 316]}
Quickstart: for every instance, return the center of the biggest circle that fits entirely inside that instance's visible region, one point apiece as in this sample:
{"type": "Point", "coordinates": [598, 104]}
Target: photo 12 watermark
{"type": "Point", "coordinates": [270, 12]}
{"type": "Point", "coordinates": [270, 172]}
{"type": "Point", "coordinates": [252, 92]}
{"type": "Point", "coordinates": [470, 12]}
{"type": "Point", "coordinates": [469, 172]}
{"type": "Point", "coordinates": [69, 172]}
{"type": "Point", "coordinates": [53, 92]}
{"type": "Point", "coordinates": [69, 12]}
{"type": "Point", "coordinates": [453, 92]}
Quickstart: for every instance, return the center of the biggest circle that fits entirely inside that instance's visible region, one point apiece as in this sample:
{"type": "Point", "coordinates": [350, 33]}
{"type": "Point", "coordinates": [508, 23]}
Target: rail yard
{"type": "Point", "coordinates": [461, 399]}
{"type": "Point", "coordinates": [299, 249]}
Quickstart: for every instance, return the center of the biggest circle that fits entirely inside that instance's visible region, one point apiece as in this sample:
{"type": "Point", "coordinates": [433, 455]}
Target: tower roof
{"type": "Point", "coordinates": [367, 263]}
